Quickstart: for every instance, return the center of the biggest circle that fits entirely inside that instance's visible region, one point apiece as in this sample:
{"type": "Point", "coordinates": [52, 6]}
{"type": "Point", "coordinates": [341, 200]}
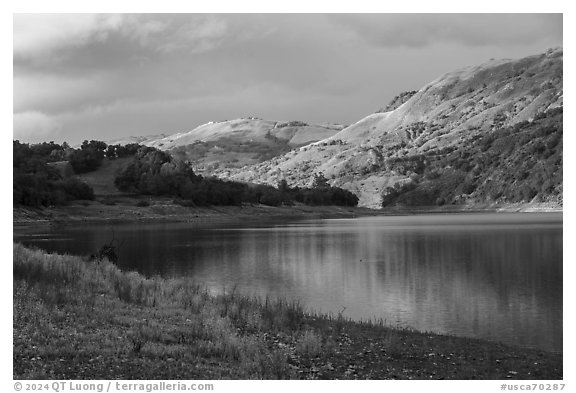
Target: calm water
{"type": "Point", "coordinates": [494, 276]}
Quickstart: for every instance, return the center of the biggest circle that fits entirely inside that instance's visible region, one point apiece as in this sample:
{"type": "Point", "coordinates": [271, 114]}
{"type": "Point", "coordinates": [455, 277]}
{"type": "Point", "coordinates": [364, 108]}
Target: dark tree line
{"type": "Point", "coordinates": [36, 183]}
{"type": "Point", "coordinates": [154, 172]}
{"type": "Point", "coordinates": [90, 155]}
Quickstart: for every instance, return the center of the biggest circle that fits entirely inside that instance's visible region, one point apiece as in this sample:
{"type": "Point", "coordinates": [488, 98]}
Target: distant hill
{"type": "Point", "coordinates": [235, 143]}
{"type": "Point", "coordinates": [135, 139]}
{"type": "Point", "coordinates": [448, 113]}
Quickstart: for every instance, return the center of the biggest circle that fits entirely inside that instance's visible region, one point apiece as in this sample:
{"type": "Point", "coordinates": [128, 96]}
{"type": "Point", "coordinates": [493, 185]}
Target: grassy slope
{"type": "Point", "coordinates": [244, 130]}
{"type": "Point", "coordinates": [499, 91]}
{"type": "Point", "coordinates": [102, 179]}
{"type": "Point", "coordinates": [88, 320]}
{"type": "Point", "coordinates": [512, 165]}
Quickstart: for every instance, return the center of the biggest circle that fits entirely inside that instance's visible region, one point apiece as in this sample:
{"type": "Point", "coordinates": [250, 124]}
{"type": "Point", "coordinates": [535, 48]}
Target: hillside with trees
{"type": "Point", "coordinates": [219, 145]}
{"type": "Point", "coordinates": [442, 124]}
{"type": "Point", "coordinates": [40, 178]}
{"type": "Point", "coordinates": [483, 135]}
{"type": "Point", "coordinates": [49, 174]}
{"type": "Point", "coordinates": [154, 172]}
{"type": "Point", "coordinates": [520, 163]}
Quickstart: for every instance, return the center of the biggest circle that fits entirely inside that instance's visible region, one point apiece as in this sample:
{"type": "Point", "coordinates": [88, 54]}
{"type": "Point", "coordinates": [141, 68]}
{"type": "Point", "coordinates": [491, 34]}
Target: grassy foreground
{"type": "Point", "coordinates": [75, 319]}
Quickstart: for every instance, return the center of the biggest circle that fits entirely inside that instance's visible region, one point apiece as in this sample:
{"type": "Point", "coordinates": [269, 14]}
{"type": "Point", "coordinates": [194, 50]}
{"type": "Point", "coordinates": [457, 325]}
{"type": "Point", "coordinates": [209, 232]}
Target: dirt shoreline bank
{"type": "Point", "coordinates": [125, 210]}
{"type": "Point", "coordinates": [172, 213]}
{"type": "Point", "coordinates": [80, 320]}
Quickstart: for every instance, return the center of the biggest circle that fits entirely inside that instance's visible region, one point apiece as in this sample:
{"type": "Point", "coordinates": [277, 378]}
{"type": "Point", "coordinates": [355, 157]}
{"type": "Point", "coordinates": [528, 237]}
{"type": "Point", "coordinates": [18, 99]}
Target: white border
{"type": "Point", "coordinates": [247, 6]}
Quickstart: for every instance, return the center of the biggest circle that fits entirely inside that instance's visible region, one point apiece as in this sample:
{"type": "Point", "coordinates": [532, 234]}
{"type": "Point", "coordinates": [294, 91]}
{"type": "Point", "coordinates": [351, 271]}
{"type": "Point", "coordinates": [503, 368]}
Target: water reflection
{"type": "Point", "coordinates": [491, 276]}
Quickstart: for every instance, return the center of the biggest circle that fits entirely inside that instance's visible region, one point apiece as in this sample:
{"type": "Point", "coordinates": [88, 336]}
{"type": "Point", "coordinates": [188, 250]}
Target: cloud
{"type": "Point", "coordinates": [50, 93]}
{"type": "Point", "coordinates": [170, 33]}
{"type": "Point", "coordinates": [34, 125]}
{"type": "Point", "coordinates": [142, 31]}
{"type": "Point", "coordinates": [418, 30]}
{"type": "Point", "coordinates": [200, 36]}
{"type": "Point", "coordinates": [41, 34]}
{"type": "Point", "coordinates": [92, 40]}
{"type": "Point", "coordinates": [135, 73]}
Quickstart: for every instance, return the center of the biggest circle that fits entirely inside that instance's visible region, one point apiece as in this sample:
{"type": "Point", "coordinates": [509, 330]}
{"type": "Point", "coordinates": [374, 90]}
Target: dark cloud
{"type": "Point", "coordinates": [142, 74]}
{"type": "Point", "coordinates": [417, 30]}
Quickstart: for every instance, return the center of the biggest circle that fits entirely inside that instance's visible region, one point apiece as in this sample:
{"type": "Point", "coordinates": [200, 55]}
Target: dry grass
{"type": "Point", "coordinates": [136, 316]}
{"type": "Point", "coordinates": [75, 319]}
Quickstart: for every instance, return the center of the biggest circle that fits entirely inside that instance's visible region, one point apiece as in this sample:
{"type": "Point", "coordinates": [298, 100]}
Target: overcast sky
{"type": "Point", "coordinates": [89, 76]}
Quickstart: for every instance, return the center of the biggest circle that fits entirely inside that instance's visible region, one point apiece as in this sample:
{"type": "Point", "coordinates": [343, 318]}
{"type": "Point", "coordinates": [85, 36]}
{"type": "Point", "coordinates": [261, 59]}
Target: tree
{"type": "Point", "coordinates": [320, 181]}
{"type": "Point", "coordinates": [111, 152]}
{"type": "Point", "coordinates": [283, 186]}
{"type": "Point", "coordinates": [85, 160]}
{"type": "Point", "coordinates": [35, 183]}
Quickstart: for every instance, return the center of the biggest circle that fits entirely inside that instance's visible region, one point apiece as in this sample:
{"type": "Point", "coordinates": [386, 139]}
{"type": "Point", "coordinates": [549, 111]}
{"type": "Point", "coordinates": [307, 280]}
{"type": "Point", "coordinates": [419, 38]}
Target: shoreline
{"type": "Point", "coordinates": [121, 214]}
{"type": "Point", "coordinates": [125, 210]}
{"type": "Point", "coordinates": [75, 319]}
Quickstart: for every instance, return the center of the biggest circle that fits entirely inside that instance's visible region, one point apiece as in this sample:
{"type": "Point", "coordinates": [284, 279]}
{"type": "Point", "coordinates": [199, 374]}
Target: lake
{"type": "Point", "coordinates": [496, 276]}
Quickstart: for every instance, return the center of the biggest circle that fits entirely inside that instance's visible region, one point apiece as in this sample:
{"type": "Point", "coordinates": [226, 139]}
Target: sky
{"type": "Point", "coordinates": [106, 76]}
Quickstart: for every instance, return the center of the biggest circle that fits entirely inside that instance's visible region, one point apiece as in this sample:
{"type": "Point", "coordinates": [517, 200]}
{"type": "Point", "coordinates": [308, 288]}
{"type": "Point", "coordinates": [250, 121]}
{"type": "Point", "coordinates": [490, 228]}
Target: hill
{"type": "Point", "coordinates": [448, 113]}
{"type": "Point", "coordinates": [520, 163]}
{"type": "Point", "coordinates": [236, 143]}
{"type": "Point", "coordinates": [136, 139]}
